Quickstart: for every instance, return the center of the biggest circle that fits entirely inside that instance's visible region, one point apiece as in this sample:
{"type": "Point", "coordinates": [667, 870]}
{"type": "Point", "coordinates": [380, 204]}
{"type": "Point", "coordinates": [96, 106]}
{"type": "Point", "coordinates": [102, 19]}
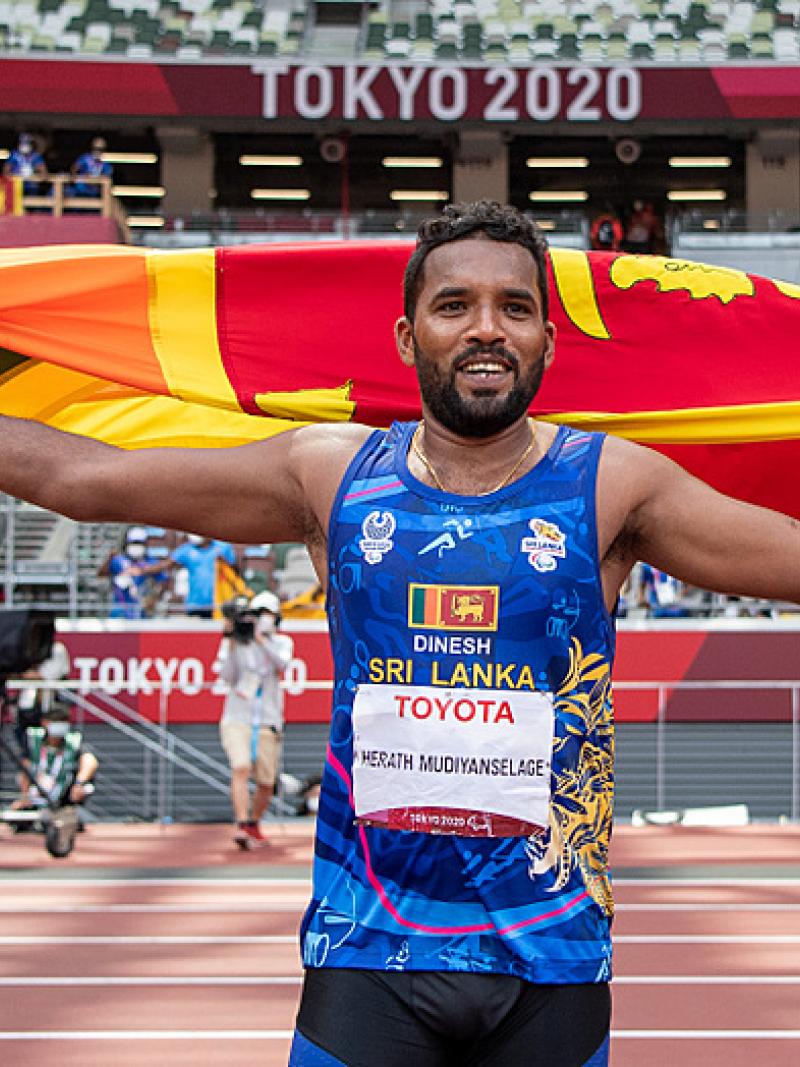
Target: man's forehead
{"type": "Point", "coordinates": [480, 261]}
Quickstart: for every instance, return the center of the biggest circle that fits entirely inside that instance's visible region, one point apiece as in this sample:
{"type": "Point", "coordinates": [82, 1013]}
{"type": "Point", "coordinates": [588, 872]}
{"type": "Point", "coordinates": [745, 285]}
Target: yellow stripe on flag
{"type": "Point", "coordinates": [183, 324]}
{"type": "Point", "coordinates": [82, 404]}
{"type": "Point", "coordinates": [730, 424]}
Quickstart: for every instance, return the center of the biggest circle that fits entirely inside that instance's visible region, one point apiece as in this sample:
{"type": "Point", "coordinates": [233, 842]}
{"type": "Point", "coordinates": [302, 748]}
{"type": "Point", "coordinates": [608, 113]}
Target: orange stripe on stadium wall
{"type": "Point", "coordinates": [183, 325]}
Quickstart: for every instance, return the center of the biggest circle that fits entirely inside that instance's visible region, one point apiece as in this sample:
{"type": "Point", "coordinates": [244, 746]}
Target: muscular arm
{"type": "Point", "coordinates": [279, 489]}
{"type": "Point", "coordinates": [668, 518]}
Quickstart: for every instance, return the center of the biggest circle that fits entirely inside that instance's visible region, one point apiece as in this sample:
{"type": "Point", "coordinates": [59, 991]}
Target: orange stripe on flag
{"type": "Point", "coordinates": [81, 306]}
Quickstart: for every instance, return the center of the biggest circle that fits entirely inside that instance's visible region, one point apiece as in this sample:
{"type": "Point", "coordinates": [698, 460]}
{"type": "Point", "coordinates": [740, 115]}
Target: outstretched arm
{"type": "Point", "coordinates": [684, 527]}
{"type": "Point", "coordinates": [279, 489]}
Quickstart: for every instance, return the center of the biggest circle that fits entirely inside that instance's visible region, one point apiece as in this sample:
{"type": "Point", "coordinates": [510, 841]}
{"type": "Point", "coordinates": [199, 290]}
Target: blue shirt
{"type": "Point", "coordinates": [127, 588]}
{"type": "Point", "coordinates": [94, 167]}
{"type": "Point", "coordinates": [501, 594]}
{"type": "Point", "coordinates": [200, 562]}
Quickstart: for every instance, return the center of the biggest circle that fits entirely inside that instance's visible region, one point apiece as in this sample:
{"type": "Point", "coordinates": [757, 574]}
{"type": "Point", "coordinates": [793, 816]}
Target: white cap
{"type": "Point", "coordinates": [266, 601]}
{"type": "Point", "coordinates": [136, 533]}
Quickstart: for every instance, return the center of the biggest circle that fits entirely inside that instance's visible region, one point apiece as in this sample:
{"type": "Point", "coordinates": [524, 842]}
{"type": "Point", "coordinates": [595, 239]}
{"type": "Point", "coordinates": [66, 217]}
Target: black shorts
{"type": "Point", "coordinates": [356, 1018]}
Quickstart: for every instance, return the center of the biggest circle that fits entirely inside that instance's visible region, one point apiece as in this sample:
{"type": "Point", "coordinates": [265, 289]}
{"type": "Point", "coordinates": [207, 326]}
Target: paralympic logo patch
{"type": "Point", "coordinates": [377, 530]}
{"type": "Point", "coordinates": [453, 607]}
{"type": "Point", "coordinates": [547, 545]}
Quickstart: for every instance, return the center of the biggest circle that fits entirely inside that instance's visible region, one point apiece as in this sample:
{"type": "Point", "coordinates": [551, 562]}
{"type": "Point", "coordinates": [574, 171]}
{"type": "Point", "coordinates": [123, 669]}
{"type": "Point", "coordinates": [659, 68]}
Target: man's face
{"type": "Point", "coordinates": [478, 341]}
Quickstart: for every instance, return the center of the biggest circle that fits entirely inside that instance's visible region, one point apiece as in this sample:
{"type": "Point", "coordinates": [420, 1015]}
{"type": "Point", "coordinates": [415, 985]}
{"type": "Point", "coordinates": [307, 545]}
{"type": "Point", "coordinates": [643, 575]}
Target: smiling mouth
{"type": "Point", "coordinates": [485, 369]}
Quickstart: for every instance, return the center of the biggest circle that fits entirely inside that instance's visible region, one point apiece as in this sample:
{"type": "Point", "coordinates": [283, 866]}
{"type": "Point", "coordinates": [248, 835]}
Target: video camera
{"type": "Point", "coordinates": [242, 618]}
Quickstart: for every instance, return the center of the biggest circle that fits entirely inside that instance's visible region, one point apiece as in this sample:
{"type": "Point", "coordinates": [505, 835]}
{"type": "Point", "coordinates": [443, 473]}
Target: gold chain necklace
{"type": "Point", "coordinates": [416, 449]}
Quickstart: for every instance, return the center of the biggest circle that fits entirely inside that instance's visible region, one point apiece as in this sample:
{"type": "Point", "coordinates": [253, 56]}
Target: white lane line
{"type": "Point", "coordinates": [285, 1035]}
{"type": "Point", "coordinates": [145, 1035]}
{"type": "Point", "coordinates": [707, 939]}
{"type": "Point", "coordinates": [708, 1035]}
{"type": "Point", "coordinates": [62, 883]}
{"type": "Point", "coordinates": [701, 907]}
{"type": "Point", "coordinates": [261, 907]}
{"type": "Point", "coordinates": [681, 883]}
{"type": "Point", "coordinates": [275, 939]}
{"type": "Point", "coordinates": [116, 980]}
{"type": "Point", "coordinates": [707, 979]}
{"type": "Point", "coordinates": [100, 883]}
{"type": "Point", "coordinates": [156, 909]}
{"type": "Point", "coordinates": [278, 980]}
{"type": "Point", "coordinates": [263, 939]}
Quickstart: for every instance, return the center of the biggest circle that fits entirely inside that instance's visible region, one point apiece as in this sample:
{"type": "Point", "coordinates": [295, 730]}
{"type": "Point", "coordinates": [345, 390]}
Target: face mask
{"type": "Point", "coordinates": [136, 551]}
{"type": "Point", "coordinates": [267, 623]}
{"type": "Point", "coordinates": [58, 730]}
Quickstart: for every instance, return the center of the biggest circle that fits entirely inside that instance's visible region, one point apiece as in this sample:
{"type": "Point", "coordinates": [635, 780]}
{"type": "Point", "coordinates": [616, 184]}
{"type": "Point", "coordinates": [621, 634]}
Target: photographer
{"type": "Point", "coordinates": [61, 765]}
{"type": "Point", "coordinates": [251, 660]}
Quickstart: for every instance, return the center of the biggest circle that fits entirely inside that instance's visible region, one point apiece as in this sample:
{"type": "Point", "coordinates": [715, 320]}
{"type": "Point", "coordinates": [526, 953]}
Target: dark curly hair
{"type": "Point", "coordinates": [458, 221]}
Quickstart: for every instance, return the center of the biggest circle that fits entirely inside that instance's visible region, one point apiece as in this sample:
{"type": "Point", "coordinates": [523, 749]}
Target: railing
{"type": "Point", "coordinates": [61, 196]}
{"type": "Point", "coordinates": [165, 752]}
{"type": "Point", "coordinates": [663, 690]}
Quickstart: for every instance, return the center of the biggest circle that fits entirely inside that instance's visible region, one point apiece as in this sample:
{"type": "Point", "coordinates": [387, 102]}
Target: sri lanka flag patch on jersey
{"type": "Point", "coordinates": [453, 607]}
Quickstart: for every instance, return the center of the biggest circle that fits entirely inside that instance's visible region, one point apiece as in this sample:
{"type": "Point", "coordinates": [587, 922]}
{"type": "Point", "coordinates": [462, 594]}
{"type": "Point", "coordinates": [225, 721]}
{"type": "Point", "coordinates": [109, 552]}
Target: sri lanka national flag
{"type": "Point", "coordinates": [221, 346]}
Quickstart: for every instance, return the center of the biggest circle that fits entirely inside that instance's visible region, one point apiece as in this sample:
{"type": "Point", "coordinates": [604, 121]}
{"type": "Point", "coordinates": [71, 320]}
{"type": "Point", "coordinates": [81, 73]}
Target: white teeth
{"type": "Point", "coordinates": [485, 368]}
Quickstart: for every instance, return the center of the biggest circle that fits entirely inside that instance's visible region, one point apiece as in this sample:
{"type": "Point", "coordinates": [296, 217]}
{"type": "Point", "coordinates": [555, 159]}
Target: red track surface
{"type": "Point", "coordinates": [168, 947]}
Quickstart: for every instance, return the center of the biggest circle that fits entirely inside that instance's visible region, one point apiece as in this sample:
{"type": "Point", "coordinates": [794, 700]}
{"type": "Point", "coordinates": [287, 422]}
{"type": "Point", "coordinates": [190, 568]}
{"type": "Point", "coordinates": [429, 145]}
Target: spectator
{"type": "Point", "coordinates": [33, 704]}
{"type": "Point", "coordinates": [199, 556]}
{"type": "Point", "coordinates": [25, 162]}
{"type": "Point", "coordinates": [138, 578]}
{"type": "Point", "coordinates": [606, 232]}
{"type": "Point", "coordinates": [92, 165]}
{"type": "Point", "coordinates": [660, 593]}
{"type": "Point", "coordinates": [643, 231]}
{"type": "Point", "coordinates": [61, 766]}
{"type": "Point", "coordinates": [251, 660]}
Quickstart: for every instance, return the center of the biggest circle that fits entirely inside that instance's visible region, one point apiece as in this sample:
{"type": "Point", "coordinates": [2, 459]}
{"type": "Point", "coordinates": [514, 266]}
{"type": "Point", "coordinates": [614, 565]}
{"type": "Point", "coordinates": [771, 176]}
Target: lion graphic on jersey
{"type": "Point", "coordinates": [580, 812]}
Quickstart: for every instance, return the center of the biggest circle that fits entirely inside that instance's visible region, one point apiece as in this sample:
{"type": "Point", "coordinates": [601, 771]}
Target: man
{"type": "Point", "coordinates": [91, 164]}
{"type": "Point", "coordinates": [138, 578]}
{"type": "Point", "coordinates": [461, 905]}
{"type": "Point", "coordinates": [34, 703]}
{"type": "Point", "coordinates": [62, 767]}
{"type": "Point", "coordinates": [251, 661]}
{"type": "Point", "coordinates": [199, 556]}
{"type": "Point", "coordinates": [25, 162]}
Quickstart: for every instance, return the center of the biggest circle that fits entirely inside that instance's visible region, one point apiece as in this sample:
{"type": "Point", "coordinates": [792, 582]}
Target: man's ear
{"type": "Point", "coordinates": [549, 353]}
{"type": "Point", "coordinates": [404, 338]}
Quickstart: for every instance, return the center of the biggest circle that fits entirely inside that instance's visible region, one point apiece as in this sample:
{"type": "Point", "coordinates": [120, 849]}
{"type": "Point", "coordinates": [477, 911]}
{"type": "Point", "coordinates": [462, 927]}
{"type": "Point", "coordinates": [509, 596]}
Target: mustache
{"type": "Point", "coordinates": [499, 351]}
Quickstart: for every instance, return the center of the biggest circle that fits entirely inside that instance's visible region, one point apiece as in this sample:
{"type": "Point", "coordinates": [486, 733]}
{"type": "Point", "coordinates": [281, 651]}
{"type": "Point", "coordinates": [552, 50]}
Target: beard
{"type": "Point", "coordinates": [484, 414]}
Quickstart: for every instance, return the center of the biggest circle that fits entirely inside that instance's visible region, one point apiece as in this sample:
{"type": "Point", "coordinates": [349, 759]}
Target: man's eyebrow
{"type": "Point", "coordinates": [450, 291]}
{"type": "Point", "coordinates": [519, 294]}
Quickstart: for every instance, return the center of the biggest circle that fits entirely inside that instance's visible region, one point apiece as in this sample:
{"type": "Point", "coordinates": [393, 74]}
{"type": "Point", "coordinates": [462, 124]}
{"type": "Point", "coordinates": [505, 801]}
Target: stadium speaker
{"type": "Point", "coordinates": [26, 639]}
{"type": "Point", "coordinates": [333, 149]}
{"type": "Point", "coordinates": [627, 150]}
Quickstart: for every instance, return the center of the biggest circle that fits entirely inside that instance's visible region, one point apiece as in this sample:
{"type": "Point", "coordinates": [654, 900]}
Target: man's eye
{"type": "Point", "coordinates": [453, 305]}
{"type": "Point", "coordinates": [517, 309]}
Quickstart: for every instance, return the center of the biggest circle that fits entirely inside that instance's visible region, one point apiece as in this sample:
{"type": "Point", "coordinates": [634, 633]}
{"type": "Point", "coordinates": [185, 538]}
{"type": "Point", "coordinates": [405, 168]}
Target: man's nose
{"type": "Point", "coordinates": [486, 325]}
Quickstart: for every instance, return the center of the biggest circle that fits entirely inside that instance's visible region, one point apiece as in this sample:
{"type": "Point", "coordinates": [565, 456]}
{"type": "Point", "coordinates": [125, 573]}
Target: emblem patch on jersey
{"type": "Point", "coordinates": [453, 607]}
{"type": "Point", "coordinates": [377, 529]}
{"type": "Point", "coordinates": [547, 545]}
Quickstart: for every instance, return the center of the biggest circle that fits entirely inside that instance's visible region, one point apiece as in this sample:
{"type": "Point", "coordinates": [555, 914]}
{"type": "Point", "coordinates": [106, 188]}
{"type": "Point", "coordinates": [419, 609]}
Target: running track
{"type": "Point", "coordinates": [164, 946]}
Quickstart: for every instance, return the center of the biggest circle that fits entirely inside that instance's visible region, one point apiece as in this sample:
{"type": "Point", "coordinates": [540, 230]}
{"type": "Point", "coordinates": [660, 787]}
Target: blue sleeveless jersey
{"type": "Point", "coordinates": [537, 907]}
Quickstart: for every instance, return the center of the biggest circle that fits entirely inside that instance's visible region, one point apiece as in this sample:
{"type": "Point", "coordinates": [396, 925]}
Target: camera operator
{"type": "Point", "coordinates": [33, 704]}
{"type": "Point", "coordinates": [251, 660]}
{"type": "Point", "coordinates": [62, 766]}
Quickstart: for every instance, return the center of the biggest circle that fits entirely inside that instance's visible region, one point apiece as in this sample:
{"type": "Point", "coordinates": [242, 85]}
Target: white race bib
{"type": "Point", "coordinates": [472, 762]}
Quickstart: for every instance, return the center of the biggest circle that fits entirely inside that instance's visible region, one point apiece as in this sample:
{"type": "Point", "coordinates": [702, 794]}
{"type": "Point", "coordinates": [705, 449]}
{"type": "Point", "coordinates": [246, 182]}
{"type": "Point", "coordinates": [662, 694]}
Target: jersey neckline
{"type": "Point", "coordinates": [402, 445]}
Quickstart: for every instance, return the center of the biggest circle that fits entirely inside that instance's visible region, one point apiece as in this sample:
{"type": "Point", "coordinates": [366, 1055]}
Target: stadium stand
{"type": "Point", "coordinates": [494, 31]}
